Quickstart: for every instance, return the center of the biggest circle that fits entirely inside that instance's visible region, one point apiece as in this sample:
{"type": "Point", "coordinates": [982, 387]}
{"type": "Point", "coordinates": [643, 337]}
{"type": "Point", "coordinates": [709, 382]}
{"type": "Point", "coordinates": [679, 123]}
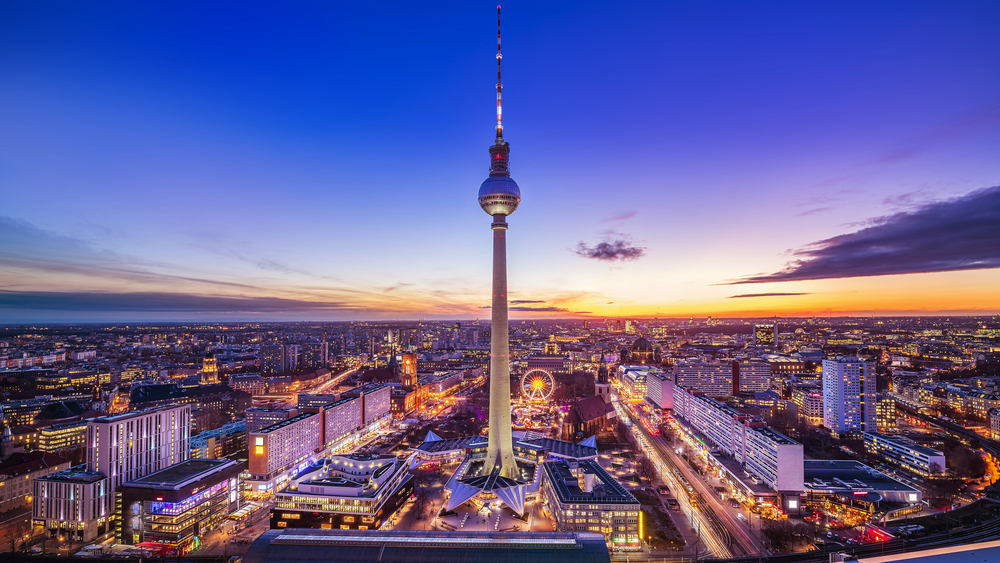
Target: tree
{"type": "Point", "coordinates": [936, 469]}
{"type": "Point", "coordinates": [778, 532]}
{"type": "Point", "coordinates": [645, 467]}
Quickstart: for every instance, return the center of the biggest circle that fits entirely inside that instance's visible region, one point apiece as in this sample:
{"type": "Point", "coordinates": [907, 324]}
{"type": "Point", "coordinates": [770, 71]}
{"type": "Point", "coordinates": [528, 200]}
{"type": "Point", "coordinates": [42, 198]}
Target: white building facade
{"type": "Point", "coordinates": [848, 388]}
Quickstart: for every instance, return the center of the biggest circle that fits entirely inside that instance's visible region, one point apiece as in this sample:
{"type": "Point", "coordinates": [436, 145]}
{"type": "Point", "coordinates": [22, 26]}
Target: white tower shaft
{"type": "Point", "coordinates": [500, 453]}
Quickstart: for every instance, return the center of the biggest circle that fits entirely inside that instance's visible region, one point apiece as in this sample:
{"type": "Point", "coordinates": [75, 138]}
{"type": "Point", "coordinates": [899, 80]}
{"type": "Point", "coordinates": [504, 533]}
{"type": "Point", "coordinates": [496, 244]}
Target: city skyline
{"type": "Point", "coordinates": [182, 164]}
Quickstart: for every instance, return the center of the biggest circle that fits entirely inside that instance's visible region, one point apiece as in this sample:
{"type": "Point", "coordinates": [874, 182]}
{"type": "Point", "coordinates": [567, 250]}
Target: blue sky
{"type": "Point", "coordinates": [317, 160]}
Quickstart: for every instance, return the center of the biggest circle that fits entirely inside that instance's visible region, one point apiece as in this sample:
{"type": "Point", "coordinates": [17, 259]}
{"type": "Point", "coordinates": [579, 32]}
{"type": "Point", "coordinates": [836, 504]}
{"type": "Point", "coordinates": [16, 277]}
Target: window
{"type": "Point", "coordinates": [259, 450]}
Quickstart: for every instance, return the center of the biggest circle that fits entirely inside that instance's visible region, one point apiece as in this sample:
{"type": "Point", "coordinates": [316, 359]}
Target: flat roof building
{"type": "Point", "coordinates": [173, 506]}
{"type": "Point", "coordinates": [359, 492]}
{"type": "Point", "coordinates": [905, 453]}
{"type": "Point", "coordinates": [402, 546]}
{"type": "Point", "coordinates": [768, 456]}
{"type": "Point", "coordinates": [713, 379]}
{"type": "Point", "coordinates": [582, 497]}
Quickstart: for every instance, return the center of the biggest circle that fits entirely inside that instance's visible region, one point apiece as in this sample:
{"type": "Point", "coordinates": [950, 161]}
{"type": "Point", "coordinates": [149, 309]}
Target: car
{"type": "Point", "coordinates": [741, 517]}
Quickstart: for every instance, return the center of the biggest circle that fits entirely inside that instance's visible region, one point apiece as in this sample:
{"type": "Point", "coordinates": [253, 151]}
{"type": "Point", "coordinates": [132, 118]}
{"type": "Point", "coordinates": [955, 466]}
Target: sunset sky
{"type": "Point", "coordinates": [320, 161]}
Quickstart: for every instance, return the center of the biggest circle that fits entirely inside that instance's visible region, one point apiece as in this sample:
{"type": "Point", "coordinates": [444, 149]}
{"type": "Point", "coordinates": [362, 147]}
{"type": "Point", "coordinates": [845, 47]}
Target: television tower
{"type": "Point", "coordinates": [499, 197]}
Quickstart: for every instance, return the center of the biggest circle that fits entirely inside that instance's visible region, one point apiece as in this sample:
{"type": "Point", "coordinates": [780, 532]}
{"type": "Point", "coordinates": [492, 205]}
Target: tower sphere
{"type": "Point", "coordinates": [499, 195]}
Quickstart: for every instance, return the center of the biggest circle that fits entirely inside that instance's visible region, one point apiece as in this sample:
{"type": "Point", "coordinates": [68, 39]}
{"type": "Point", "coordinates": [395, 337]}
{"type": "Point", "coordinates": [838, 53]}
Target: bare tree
{"type": "Point", "coordinates": [645, 467]}
{"type": "Point", "coordinates": [11, 535]}
{"type": "Point", "coordinates": [936, 470]}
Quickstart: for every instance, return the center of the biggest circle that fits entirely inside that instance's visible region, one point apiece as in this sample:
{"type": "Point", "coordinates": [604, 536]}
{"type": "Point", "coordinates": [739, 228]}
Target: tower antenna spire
{"type": "Point", "coordinates": [499, 84]}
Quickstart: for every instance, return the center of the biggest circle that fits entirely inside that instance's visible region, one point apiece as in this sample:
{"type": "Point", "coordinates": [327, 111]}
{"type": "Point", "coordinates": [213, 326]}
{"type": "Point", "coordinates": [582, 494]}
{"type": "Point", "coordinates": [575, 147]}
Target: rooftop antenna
{"type": "Point", "coordinates": [499, 85]}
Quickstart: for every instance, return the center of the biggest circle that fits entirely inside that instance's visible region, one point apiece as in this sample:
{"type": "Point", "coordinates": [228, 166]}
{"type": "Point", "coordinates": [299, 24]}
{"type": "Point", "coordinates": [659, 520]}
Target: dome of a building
{"type": "Point", "coordinates": [642, 345]}
{"type": "Point", "coordinates": [499, 195]}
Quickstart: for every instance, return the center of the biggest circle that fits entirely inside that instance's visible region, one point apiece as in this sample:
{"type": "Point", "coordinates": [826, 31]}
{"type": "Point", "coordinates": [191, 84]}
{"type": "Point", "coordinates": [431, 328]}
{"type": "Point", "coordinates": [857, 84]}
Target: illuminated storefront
{"type": "Point", "coordinates": [170, 510]}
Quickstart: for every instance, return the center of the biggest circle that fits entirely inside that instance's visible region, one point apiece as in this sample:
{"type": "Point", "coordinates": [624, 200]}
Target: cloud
{"type": "Point", "coordinates": [540, 309]}
{"type": "Point", "coordinates": [621, 216]}
{"type": "Point", "coordinates": [743, 295]}
{"type": "Point", "coordinates": [614, 247]}
{"type": "Point", "coordinates": [957, 234]}
{"type": "Point", "coordinates": [159, 302]}
{"type": "Point", "coordinates": [982, 120]}
{"type": "Point", "coordinates": [525, 301]}
{"type": "Point", "coordinates": [813, 211]}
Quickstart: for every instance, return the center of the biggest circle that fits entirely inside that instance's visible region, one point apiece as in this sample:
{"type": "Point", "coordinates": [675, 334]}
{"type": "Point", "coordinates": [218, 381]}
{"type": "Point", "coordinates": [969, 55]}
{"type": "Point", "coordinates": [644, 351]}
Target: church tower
{"type": "Point", "coordinates": [602, 388]}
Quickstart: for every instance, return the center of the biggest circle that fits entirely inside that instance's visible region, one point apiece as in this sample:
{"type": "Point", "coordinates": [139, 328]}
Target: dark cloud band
{"type": "Point", "coordinates": [943, 236]}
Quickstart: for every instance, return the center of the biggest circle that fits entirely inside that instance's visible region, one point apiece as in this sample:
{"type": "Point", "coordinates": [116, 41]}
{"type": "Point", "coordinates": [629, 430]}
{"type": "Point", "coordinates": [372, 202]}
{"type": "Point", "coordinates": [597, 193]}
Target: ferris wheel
{"type": "Point", "coordinates": [537, 385]}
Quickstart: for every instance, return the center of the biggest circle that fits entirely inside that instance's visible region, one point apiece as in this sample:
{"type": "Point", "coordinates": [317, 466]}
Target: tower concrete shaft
{"type": "Point", "coordinates": [500, 454]}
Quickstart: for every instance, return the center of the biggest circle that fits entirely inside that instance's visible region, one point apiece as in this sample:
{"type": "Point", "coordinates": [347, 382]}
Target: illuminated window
{"type": "Point", "coordinates": [259, 450]}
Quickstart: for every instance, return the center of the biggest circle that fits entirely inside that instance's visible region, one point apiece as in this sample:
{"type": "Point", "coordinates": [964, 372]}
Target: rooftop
{"type": "Point", "coordinates": [284, 423]}
{"type": "Point", "coordinates": [908, 444]}
{"type": "Point", "coordinates": [565, 484]}
{"type": "Point", "coordinates": [76, 474]}
{"type": "Point", "coordinates": [847, 474]}
{"type": "Point", "coordinates": [183, 473]}
{"type": "Point", "coordinates": [356, 546]}
{"type": "Point", "coordinates": [133, 414]}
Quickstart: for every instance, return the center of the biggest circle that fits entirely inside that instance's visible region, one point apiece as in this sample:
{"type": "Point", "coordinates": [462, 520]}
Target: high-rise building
{"type": "Point", "coordinates": [314, 355]}
{"type": "Point", "coordinates": [751, 377]}
{"type": "Point", "coordinates": [885, 417]}
{"type": "Point", "coordinates": [848, 388]}
{"type": "Point", "coordinates": [713, 379]}
{"type": "Point", "coordinates": [79, 502]}
{"type": "Point", "coordinates": [128, 446]}
{"type": "Point", "coordinates": [763, 335]}
{"type": "Point", "coordinates": [272, 358]}
{"type": "Point", "coordinates": [499, 196]}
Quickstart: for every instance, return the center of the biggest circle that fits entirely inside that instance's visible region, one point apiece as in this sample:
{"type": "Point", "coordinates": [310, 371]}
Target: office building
{"type": "Point", "coordinates": [885, 416]}
{"type": "Point", "coordinates": [809, 399]}
{"type": "Point", "coordinates": [360, 492]}
{"type": "Point", "coordinates": [119, 448]}
{"type": "Point", "coordinates": [582, 497]}
{"type": "Point", "coordinates": [713, 379]}
{"type": "Point", "coordinates": [660, 389]}
{"type": "Point", "coordinates": [61, 437]}
{"type": "Point", "coordinates": [172, 508]}
{"type": "Point", "coordinates": [751, 377]}
{"type": "Point", "coordinates": [72, 504]}
{"type": "Point", "coordinates": [848, 388]}
{"type": "Point", "coordinates": [764, 335]}
{"type": "Point", "coordinates": [131, 445]}
{"type": "Point", "coordinates": [905, 453]}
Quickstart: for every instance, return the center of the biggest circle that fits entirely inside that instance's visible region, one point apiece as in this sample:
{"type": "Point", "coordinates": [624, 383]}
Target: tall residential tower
{"type": "Point", "coordinates": [499, 197]}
